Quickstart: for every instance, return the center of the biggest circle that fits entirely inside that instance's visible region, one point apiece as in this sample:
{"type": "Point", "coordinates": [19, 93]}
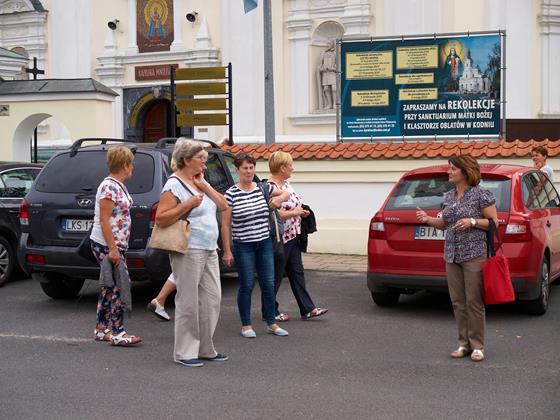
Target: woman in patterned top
{"type": "Point", "coordinates": [109, 238]}
{"type": "Point", "coordinates": [247, 222]}
{"type": "Point", "coordinates": [466, 210]}
{"type": "Point", "coordinates": [291, 212]}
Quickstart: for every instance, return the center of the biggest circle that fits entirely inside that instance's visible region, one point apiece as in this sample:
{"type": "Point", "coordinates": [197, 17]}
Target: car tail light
{"type": "Point", "coordinates": [377, 227]}
{"type": "Point", "coordinates": [24, 213]}
{"type": "Point", "coordinates": [153, 215]}
{"type": "Point", "coordinates": [35, 259]}
{"type": "Point", "coordinates": [518, 230]}
{"type": "Point", "coordinates": [135, 263]}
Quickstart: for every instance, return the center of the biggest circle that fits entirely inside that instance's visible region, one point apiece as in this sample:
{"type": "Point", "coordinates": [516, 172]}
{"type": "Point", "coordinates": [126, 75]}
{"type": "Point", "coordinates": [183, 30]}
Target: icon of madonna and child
{"type": "Point", "coordinates": [462, 73]}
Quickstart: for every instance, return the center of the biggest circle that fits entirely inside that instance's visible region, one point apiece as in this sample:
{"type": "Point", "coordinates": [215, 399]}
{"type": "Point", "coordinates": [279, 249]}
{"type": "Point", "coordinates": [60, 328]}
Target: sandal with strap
{"type": "Point", "coordinates": [104, 335]}
{"type": "Point", "coordinates": [460, 352]}
{"type": "Point", "coordinates": [315, 313]}
{"type": "Point", "coordinates": [125, 340]}
{"type": "Point", "coordinates": [477, 355]}
{"type": "Point", "coordinates": [282, 317]}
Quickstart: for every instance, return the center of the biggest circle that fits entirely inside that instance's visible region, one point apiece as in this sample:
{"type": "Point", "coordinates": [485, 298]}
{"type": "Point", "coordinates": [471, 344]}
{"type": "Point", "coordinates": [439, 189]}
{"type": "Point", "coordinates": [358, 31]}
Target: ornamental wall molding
{"type": "Point", "coordinates": [16, 6]}
{"type": "Point", "coordinates": [549, 17]}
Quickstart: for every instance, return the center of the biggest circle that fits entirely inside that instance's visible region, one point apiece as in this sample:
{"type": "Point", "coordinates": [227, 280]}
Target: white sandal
{"type": "Point", "coordinates": [477, 355]}
{"type": "Point", "coordinates": [125, 340]}
{"type": "Point", "coordinates": [104, 335]}
{"type": "Point", "coordinates": [460, 352]}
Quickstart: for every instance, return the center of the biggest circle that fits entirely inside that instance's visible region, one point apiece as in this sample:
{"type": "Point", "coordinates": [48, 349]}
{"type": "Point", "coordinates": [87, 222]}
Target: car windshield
{"type": "Point", "coordinates": [428, 193]}
{"type": "Point", "coordinates": [84, 172]}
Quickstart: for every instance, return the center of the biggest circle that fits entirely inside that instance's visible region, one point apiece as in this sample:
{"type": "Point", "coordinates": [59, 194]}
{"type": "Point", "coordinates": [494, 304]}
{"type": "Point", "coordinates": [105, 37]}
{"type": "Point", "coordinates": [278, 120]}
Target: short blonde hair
{"type": "Point", "coordinates": [186, 149]}
{"type": "Point", "coordinates": [277, 160]}
{"type": "Point", "coordinates": [118, 157]}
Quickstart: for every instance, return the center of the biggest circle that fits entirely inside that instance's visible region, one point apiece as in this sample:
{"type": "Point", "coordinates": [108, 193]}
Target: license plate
{"type": "Point", "coordinates": [428, 233]}
{"type": "Point", "coordinates": [76, 225]}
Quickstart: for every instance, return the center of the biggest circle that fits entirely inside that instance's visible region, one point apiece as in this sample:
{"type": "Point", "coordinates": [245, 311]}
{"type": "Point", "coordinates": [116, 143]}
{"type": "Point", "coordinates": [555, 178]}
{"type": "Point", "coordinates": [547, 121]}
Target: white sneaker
{"type": "Point", "coordinates": [155, 307]}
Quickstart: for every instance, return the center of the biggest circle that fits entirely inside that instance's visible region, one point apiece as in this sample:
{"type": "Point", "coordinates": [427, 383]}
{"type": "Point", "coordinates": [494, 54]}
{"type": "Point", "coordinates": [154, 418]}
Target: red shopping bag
{"type": "Point", "coordinates": [495, 273]}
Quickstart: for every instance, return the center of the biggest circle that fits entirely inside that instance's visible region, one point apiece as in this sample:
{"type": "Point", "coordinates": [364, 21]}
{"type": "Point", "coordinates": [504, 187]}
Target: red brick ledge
{"type": "Point", "coordinates": [400, 150]}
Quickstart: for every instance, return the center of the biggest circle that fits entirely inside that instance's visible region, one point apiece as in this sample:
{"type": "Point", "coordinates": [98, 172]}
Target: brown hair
{"type": "Point", "coordinates": [244, 157]}
{"type": "Point", "coordinates": [540, 149]}
{"type": "Point", "coordinates": [469, 167]}
{"type": "Point", "coordinates": [118, 157]}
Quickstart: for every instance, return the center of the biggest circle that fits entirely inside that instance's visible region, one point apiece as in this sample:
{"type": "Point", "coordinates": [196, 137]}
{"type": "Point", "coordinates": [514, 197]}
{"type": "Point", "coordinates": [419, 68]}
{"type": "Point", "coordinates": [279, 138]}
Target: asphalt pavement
{"type": "Point", "coordinates": [358, 362]}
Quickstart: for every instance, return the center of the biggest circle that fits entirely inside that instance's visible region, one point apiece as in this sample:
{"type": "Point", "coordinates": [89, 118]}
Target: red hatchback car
{"type": "Point", "coordinates": [405, 256]}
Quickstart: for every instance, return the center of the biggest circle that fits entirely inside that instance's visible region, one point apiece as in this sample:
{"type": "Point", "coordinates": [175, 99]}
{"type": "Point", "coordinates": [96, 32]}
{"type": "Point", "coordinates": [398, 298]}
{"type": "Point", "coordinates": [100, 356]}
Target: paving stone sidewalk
{"type": "Point", "coordinates": [335, 262]}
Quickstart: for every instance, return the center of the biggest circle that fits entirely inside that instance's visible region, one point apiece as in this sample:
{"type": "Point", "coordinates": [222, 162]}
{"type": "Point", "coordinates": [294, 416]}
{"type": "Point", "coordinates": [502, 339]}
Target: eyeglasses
{"type": "Point", "coordinates": [203, 159]}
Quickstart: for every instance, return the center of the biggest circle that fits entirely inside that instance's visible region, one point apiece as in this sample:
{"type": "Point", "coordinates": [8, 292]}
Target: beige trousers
{"type": "Point", "coordinates": [465, 289]}
{"type": "Point", "coordinates": [197, 303]}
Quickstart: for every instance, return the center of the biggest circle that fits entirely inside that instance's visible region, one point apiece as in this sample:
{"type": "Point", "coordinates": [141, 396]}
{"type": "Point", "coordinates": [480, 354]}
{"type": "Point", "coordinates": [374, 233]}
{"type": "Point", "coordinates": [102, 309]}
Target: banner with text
{"type": "Point", "coordinates": [444, 86]}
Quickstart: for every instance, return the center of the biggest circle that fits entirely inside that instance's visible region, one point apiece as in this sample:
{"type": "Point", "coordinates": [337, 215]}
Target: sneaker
{"type": "Point", "coordinates": [278, 331]}
{"type": "Point", "coordinates": [159, 311]}
{"type": "Point", "coordinates": [249, 333]}
{"type": "Point", "coordinates": [189, 362]}
{"type": "Point", "coordinates": [217, 358]}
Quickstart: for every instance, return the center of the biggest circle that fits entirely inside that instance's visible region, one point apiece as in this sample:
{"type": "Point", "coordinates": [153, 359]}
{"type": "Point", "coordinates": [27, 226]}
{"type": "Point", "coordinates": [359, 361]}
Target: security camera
{"type": "Point", "coordinates": [191, 17]}
{"type": "Point", "coordinates": [112, 24]}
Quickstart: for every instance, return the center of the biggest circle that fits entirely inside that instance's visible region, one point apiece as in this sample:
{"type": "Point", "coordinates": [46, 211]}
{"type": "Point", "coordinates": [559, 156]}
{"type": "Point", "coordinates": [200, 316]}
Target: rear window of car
{"type": "Point", "coordinates": [84, 172]}
{"type": "Point", "coordinates": [428, 193]}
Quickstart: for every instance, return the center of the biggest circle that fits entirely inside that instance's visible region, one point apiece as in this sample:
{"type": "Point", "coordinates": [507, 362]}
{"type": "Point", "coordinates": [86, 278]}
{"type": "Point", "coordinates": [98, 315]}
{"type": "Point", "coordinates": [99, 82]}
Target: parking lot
{"type": "Point", "coordinates": [360, 361]}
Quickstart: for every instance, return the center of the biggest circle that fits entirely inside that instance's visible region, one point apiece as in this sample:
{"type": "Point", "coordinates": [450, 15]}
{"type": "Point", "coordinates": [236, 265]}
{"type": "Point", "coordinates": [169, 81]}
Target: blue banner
{"type": "Point", "coordinates": [250, 5]}
{"type": "Point", "coordinates": [421, 87]}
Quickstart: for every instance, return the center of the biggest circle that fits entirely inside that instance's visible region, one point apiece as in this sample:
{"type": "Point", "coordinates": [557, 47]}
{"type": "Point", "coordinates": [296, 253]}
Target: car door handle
{"type": "Point", "coordinates": [548, 224]}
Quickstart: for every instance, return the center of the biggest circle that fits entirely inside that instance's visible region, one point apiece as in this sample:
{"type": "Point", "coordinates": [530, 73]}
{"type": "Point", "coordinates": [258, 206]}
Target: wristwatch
{"type": "Point", "coordinates": [473, 222]}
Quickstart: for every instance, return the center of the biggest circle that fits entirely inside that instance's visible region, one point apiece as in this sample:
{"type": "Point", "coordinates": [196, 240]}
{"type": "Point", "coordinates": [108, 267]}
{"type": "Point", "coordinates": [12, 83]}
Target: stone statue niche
{"type": "Point", "coordinates": [326, 78]}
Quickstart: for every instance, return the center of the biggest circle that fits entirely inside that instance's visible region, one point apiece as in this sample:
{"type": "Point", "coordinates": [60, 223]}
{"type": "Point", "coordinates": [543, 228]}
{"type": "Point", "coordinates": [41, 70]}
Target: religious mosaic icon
{"type": "Point", "coordinates": [154, 25]}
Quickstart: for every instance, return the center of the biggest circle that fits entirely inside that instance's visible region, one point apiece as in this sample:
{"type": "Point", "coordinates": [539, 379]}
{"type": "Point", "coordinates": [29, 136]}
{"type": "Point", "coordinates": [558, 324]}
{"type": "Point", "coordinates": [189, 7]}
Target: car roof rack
{"type": "Point", "coordinates": [166, 141]}
{"type": "Point", "coordinates": [78, 143]}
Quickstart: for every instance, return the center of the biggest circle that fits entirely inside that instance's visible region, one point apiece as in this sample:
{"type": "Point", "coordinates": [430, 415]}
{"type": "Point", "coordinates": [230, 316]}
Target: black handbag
{"type": "Point", "coordinates": [275, 225]}
{"type": "Point", "coordinates": [84, 249]}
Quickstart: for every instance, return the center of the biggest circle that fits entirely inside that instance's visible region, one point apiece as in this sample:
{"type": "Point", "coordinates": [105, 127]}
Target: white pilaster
{"type": "Point", "coordinates": [178, 20]}
{"type": "Point", "coordinates": [549, 22]}
{"type": "Point", "coordinates": [298, 25]}
{"type": "Point", "coordinates": [132, 48]}
{"type": "Point", "coordinates": [356, 18]}
{"type": "Point", "coordinates": [203, 54]}
{"type": "Point", "coordinates": [242, 45]}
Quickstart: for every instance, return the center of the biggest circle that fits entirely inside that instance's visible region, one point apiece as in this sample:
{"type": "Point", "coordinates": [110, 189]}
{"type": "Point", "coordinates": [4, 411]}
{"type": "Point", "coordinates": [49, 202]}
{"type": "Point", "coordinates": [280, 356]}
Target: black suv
{"type": "Point", "coordinates": [16, 179]}
{"type": "Point", "coordinates": [58, 211]}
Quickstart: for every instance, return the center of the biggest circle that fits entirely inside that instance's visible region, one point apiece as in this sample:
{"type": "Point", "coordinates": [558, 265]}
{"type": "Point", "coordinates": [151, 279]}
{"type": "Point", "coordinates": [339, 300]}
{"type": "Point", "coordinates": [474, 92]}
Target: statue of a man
{"type": "Point", "coordinates": [326, 72]}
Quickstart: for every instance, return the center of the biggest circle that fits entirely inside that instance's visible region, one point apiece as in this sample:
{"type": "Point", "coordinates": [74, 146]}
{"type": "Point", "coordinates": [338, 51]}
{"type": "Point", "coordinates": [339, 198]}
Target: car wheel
{"type": "Point", "coordinates": [6, 261]}
{"type": "Point", "coordinates": [389, 298]}
{"type": "Point", "coordinates": [59, 286]}
{"type": "Point", "coordinates": [539, 306]}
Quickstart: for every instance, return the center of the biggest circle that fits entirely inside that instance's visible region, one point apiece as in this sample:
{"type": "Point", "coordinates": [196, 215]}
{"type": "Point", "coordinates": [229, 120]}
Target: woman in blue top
{"type": "Point", "coordinates": [197, 274]}
{"type": "Point", "coordinates": [247, 222]}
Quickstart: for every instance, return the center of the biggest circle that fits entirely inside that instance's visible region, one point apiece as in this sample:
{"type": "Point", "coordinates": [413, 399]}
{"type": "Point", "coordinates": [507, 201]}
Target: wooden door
{"type": "Point", "coordinates": [155, 122]}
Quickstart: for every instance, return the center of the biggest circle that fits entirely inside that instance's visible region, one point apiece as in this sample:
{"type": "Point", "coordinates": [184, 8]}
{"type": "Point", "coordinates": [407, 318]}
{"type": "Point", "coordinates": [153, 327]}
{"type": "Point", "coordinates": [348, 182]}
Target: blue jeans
{"type": "Point", "coordinates": [255, 258]}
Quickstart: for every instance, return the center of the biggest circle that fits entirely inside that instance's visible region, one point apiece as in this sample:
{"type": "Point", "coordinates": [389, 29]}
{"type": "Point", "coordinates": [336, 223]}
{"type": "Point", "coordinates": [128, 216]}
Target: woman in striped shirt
{"type": "Point", "coordinates": [247, 223]}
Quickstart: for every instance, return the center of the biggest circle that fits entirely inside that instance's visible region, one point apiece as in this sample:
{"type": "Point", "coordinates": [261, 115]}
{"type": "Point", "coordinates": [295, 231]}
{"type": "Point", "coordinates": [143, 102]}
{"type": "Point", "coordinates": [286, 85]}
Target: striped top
{"type": "Point", "coordinates": [249, 213]}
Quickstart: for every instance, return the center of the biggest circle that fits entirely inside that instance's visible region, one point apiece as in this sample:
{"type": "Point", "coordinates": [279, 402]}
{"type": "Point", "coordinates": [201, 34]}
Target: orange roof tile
{"type": "Point", "coordinates": [399, 150]}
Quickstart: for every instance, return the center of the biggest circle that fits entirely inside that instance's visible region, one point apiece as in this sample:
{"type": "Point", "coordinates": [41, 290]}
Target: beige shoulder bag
{"type": "Point", "coordinates": [175, 237]}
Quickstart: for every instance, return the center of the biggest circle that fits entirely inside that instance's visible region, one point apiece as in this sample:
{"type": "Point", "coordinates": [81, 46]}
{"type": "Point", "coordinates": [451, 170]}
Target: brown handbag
{"type": "Point", "coordinates": [175, 237]}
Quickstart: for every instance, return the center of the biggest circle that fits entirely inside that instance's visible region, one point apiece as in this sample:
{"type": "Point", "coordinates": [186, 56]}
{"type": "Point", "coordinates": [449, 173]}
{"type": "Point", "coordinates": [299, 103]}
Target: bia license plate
{"type": "Point", "coordinates": [76, 225]}
{"type": "Point", "coordinates": [428, 233]}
